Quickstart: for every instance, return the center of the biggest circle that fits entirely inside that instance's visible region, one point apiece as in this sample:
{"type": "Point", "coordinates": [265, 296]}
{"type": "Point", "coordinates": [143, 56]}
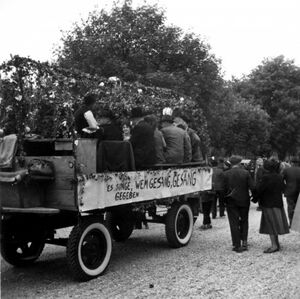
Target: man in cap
{"type": "Point", "coordinates": [237, 183]}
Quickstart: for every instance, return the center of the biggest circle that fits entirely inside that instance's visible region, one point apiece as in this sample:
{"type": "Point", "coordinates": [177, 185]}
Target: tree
{"type": "Point", "coordinates": [275, 85]}
{"type": "Point", "coordinates": [136, 45]}
{"type": "Point", "coordinates": [239, 127]}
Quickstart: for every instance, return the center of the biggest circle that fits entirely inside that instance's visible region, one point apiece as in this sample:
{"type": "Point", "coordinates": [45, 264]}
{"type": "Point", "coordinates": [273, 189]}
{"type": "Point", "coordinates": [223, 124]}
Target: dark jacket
{"type": "Point", "coordinates": [269, 190]}
{"type": "Point", "coordinates": [217, 179]}
{"type": "Point", "coordinates": [142, 140]}
{"type": "Point", "coordinates": [195, 144]}
{"type": "Point", "coordinates": [160, 145]}
{"type": "Point", "coordinates": [80, 121]}
{"type": "Point", "coordinates": [111, 132]}
{"type": "Point", "coordinates": [237, 183]}
{"type": "Point", "coordinates": [291, 177]}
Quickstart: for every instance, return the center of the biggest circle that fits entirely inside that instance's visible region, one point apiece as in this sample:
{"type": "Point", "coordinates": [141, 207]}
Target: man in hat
{"type": "Point", "coordinates": [178, 144]}
{"type": "Point", "coordinates": [237, 183]}
{"type": "Point", "coordinates": [291, 176]}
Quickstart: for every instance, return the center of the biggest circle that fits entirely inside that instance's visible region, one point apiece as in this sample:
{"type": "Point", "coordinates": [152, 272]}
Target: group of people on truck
{"type": "Point", "coordinates": [170, 141]}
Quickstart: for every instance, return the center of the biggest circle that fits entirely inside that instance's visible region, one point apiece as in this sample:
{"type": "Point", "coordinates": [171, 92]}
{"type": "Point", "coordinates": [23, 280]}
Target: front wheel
{"type": "Point", "coordinates": [89, 250]}
{"type": "Point", "coordinates": [179, 225]}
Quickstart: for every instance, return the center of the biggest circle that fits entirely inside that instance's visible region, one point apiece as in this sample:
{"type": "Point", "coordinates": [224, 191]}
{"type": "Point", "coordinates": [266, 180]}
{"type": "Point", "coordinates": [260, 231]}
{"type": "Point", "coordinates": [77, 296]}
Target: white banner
{"type": "Point", "coordinates": [104, 190]}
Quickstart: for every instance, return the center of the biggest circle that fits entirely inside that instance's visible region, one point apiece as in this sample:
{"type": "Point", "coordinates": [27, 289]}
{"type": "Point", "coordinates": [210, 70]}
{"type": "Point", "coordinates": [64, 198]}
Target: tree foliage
{"type": "Point", "coordinates": [275, 85]}
{"type": "Point", "coordinates": [42, 96]}
{"type": "Point", "coordinates": [137, 45]}
{"type": "Point", "coordinates": [239, 127]}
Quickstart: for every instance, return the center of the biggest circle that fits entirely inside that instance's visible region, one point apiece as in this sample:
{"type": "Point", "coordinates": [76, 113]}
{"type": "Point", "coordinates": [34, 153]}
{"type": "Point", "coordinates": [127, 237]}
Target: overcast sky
{"type": "Point", "coordinates": [240, 32]}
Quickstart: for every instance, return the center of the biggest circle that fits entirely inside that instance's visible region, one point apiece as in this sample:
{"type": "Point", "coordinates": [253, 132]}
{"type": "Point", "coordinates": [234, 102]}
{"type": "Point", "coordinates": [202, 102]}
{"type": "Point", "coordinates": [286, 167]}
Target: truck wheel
{"type": "Point", "coordinates": [179, 225]}
{"type": "Point", "coordinates": [120, 226]}
{"type": "Point", "coordinates": [88, 250]}
{"type": "Point", "coordinates": [21, 252]}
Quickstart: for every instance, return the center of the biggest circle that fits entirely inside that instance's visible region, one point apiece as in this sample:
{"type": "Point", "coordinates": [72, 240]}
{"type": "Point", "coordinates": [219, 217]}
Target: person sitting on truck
{"type": "Point", "coordinates": [85, 122]}
{"type": "Point", "coordinates": [142, 140]}
{"type": "Point", "coordinates": [111, 131]}
{"type": "Point", "coordinates": [178, 148]}
{"type": "Point", "coordinates": [159, 141]}
{"type": "Point", "coordinates": [197, 155]}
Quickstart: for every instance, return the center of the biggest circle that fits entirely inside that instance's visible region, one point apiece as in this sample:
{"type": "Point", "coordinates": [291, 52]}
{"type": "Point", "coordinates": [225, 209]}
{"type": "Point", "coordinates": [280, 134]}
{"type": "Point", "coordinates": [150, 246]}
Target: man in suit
{"type": "Point", "coordinates": [237, 183]}
{"type": "Point", "coordinates": [291, 176]}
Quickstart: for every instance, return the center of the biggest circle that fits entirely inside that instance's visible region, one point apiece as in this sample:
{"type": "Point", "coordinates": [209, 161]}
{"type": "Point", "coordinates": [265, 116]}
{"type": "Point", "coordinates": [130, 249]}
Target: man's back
{"type": "Point", "coordinates": [291, 175]}
{"type": "Point", "coordinates": [237, 184]}
{"type": "Point", "coordinates": [174, 138]}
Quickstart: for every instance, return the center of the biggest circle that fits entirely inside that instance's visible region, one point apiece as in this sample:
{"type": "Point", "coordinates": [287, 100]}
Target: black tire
{"type": "Point", "coordinates": [179, 225]}
{"type": "Point", "coordinates": [120, 226]}
{"type": "Point", "coordinates": [19, 251]}
{"type": "Point", "coordinates": [89, 250]}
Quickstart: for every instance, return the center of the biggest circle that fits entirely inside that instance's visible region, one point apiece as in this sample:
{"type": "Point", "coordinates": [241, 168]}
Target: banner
{"type": "Point", "coordinates": [103, 190]}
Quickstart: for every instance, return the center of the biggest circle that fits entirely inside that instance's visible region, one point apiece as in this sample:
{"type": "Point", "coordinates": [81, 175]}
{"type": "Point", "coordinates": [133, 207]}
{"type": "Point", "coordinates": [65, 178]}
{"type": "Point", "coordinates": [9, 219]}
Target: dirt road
{"type": "Point", "coordinates": [145, 267]}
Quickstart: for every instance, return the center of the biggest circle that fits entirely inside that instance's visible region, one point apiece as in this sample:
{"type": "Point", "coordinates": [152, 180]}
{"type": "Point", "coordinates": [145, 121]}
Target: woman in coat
{"type": "Point", "coordinates": [269, 192]}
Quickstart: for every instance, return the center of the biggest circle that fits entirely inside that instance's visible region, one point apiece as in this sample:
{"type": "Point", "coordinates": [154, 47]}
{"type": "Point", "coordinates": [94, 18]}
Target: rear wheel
{"type": "Point", "coordinates": [179, 225]}
{"type": "Point", "coordinates": [89, 250]}
{"type": "Point", "coordinates": [21, 251]}
{"type": "Point", "coordinates": [120, 225]}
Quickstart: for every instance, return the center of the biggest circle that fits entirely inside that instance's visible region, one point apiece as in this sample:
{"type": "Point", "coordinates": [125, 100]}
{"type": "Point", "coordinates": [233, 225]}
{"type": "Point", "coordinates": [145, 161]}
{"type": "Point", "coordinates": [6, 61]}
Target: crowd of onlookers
{"type": "Point", "coordinates": [168, 140]}
{"type": "Point", "coordinates": [233, 186]}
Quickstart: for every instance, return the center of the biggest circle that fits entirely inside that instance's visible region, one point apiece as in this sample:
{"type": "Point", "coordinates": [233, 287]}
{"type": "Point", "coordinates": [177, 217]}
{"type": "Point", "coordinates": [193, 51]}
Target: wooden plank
{"type": "Point", "coordinates": [21, 195]}
{"type": "Point", "coordinates": [37, 210]}
{"type": "Point", "coordinates": [60, 199]}
{"type": "Point", "coordinates": [63, 145]}
{"type": "Point", "coordinates": [62, 183]}
{"type": "Point", "coordinates": [86, 155]}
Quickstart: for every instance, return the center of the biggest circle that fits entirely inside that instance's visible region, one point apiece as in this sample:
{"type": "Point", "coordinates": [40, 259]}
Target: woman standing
{"type": "Point", "coordinates": [269, 192]}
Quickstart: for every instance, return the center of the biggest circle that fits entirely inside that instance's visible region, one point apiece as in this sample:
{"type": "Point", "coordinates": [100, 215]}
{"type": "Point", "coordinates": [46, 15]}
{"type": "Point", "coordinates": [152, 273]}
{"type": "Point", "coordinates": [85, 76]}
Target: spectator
{"type": "Point", "coordinates": [178, 148]}
{"type": "Point", "coordinates": [206, 198]}
{"type": "Point", "coordinates": [237, 183]}
{"type": "Point", "coordinates": [217, 186]}
{"type": "Point", "coordinates": [159, 141]}
{"type": "Point", "coordinates": [269, 191]}
{"type": "Point", "coordinates": [291, 176]}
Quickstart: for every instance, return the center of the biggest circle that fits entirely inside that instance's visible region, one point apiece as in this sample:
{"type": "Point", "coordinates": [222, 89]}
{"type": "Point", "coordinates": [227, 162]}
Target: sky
{"type": "Point", "coordinates": [240, 32]}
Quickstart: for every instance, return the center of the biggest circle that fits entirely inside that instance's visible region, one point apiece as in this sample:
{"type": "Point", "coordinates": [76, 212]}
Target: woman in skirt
{"type": "Point", "coordinates": [269, 191]}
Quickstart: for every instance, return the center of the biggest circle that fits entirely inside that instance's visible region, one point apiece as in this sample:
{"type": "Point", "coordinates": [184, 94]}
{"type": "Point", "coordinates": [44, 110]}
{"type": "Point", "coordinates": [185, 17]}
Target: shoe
{"type": "Point", "coordinates": [237, 249]}
{"type": "Point", "coordinates": [270, 250]}
{"type": "Point", "coordinates": [204, 226]}
{"type": "Point", "coordinates": [244, 245]}
{"type": "Point", "coordinates": [223, 215]}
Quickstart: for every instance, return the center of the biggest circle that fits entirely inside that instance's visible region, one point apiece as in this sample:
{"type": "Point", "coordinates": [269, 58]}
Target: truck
{"type": "Point", "coordinates": [94, 189]}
